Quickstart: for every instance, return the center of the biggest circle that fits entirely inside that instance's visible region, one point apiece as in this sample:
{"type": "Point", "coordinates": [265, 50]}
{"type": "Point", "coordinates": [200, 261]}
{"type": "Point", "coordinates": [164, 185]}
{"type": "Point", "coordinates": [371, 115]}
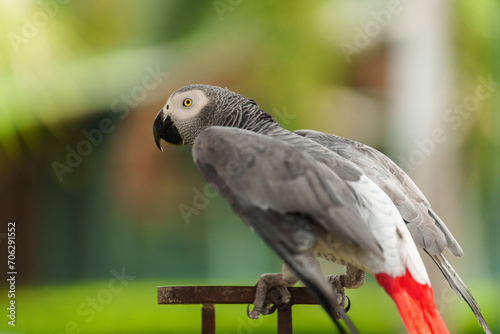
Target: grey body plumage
{"type": "Point", "coordinates": [427, 229]}
{"type": "Point", "coordinates": [304, 192]}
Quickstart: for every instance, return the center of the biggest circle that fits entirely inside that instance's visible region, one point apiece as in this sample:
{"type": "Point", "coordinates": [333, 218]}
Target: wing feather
{"type": "Point", "coordinates": [426, 228]}
{"type": "Point", "coordinates": [296, 201]}
{"type": "Point", "coordinates": [289, 200]}
{"type": "Point", "coordinates": [236, 159]}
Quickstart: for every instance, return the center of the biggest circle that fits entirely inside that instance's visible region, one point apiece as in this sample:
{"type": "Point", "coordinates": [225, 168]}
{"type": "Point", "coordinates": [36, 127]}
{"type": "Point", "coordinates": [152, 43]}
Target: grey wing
{"type": "Point", "coordinates": [427, 229]}
{"type": "Point", "coordinates": [289, 199]}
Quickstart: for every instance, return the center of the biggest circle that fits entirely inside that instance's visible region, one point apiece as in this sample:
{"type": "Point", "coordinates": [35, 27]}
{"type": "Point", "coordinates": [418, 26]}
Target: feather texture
{"type": "Point", "coordinates": [415, 303]}
{"type": "Point", "coordinates": [459, 287]}
{"type": "Point", "coordinates": [302, 208]}
{"type": "Point", "coordinates": [426, 227]}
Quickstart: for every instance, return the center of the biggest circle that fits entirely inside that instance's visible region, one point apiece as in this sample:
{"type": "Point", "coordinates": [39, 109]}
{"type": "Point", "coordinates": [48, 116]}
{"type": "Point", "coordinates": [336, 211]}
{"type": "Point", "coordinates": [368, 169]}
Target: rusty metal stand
{"type": "Point", "coordinates": [208, 296]}
{"type": "Point", "coordinates": [285, 320]}
{"type": "Point", "coordinates": [208, 319]}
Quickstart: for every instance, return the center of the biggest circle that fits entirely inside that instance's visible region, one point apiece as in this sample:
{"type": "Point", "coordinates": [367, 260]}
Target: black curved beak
{"type": "Point", "coordinates": [164, 128]}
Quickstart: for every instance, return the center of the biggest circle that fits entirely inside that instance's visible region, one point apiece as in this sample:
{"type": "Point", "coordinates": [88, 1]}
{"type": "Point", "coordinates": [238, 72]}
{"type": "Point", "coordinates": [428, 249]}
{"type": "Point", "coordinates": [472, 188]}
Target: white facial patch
{"type": "Point", "coordinates": [177, 109]}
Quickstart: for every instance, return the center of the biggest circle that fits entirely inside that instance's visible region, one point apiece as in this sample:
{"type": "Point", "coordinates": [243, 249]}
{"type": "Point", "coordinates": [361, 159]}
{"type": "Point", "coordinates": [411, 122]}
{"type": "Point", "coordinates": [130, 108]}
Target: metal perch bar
{"type": "Point", "coordinates": [208, 296]}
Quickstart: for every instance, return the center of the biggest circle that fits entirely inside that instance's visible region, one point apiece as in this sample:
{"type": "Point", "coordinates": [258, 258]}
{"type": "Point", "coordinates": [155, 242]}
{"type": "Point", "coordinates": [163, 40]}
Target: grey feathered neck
{"type": "Point", "coordinates": [234, 110]}
{"type": "Point", "coordinates": [230, 109]}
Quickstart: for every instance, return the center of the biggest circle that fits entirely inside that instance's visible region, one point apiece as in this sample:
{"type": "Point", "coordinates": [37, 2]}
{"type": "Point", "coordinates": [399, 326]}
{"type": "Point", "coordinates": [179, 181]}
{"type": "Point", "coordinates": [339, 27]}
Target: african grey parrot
{"type": "Point", "coordinates": [310, 194]}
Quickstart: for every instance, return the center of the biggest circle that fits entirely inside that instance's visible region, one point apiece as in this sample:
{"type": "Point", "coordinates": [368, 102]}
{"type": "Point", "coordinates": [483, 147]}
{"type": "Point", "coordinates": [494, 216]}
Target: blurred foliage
{"type": "Point", "coordinates": [478, 33]}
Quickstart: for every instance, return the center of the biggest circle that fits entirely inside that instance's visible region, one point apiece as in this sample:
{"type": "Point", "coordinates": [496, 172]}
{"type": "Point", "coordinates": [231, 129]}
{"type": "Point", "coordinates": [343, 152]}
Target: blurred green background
{"type": "Point", "coordinates": [93, 198]}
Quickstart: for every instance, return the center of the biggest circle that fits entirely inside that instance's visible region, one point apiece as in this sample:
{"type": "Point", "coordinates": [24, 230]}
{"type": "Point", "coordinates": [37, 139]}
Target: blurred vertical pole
{"type": "Point", "coordinates": [417, 81]}
{"type": "Point", "coordinates": [419, 87]}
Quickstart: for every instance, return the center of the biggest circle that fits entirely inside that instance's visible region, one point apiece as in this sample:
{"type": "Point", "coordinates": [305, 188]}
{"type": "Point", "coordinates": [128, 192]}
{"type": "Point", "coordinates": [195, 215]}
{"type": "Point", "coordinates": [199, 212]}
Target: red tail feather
{"type": "Point", "coordinates": [415, 303]}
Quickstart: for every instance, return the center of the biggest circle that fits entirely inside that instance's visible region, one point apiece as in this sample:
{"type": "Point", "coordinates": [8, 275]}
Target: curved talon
{"type": "Point", "coordinates": [265, 311]}
{"type": "Point", "coordinates": [284, 298]}
{"type": "Point", "coordinates": [270, 310]}
{"type": "Point", "coordinates": [348, 307]}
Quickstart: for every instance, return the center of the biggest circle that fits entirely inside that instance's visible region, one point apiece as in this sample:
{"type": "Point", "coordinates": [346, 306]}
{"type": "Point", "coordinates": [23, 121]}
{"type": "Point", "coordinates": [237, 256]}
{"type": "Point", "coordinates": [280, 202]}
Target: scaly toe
{"type": "Point", "coordinates": [286, 297]}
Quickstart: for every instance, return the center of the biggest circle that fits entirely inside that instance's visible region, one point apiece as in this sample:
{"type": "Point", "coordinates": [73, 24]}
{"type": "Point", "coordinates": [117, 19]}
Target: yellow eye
{"type": "Point", "coordinates": [187, 103]}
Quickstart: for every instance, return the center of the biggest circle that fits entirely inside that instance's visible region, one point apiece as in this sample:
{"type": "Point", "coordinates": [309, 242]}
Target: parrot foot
{"type": "Point", "coordinates": [353, 279]}
{"type": "Point", "coordinates": [280, 296]}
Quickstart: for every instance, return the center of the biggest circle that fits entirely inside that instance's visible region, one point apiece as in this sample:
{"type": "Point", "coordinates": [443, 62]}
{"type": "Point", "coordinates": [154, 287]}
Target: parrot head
{"type": "Point", "coordinates": [193, 108]}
